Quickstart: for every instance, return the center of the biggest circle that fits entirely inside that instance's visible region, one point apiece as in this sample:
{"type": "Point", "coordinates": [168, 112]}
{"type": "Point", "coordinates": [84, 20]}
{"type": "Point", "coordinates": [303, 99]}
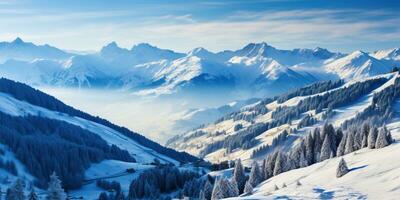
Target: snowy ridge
{"type": "Point", "coordinates": [196, 144]}
{"type": "Point", "coordinates": [255, 70]}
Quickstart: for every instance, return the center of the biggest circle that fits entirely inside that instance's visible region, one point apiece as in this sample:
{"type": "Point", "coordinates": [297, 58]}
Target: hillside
{"type": "Point", "coordinates": [241, 134]}
{"type": "Point", "coordinates": [40, 134]}
{"type": "Point", "coordinates": [368, 167]}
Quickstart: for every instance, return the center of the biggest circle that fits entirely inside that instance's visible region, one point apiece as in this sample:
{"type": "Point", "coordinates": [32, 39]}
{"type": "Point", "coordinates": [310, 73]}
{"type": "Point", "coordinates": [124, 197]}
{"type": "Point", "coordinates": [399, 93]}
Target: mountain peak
{"type": "Point", "coordinates": [18, 40]}
{"type": "Point", "coordinates": [358, 53]}
{"type": "Point", "coordinates": [112, 46]}
{"type": "Point", "coordinates": [143, 46]}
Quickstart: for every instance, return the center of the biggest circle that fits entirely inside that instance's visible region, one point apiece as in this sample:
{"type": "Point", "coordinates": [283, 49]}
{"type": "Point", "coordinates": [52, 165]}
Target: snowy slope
{"type": "Point", "coordinates": [358, 65]}
{"type": "Point", "coordinates": [15, 107]}
{"type": "Point", "coordinates": [373, 175]}
{"type": "Point", "coordinates": [194, 143]}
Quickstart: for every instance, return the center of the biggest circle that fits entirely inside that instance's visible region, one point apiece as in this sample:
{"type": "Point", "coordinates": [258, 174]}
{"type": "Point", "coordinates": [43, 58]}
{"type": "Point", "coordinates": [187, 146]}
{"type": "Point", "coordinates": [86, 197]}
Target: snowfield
{"type": "Point", "coordinates": [374, 174]}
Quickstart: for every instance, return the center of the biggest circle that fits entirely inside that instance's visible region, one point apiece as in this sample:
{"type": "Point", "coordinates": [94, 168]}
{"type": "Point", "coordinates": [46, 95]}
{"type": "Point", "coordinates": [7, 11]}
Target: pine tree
{"type": "Point", "coordinates": [357, 141]}
{"type": "Point", "coordinates": [284, 185]}
{"type": "Point", "coordinates": [103, 196]}
{"type": "Point", "coordinates": [202, 196]}
{"type": "Point", "coordinates": [309, 143]}
{"type": "Point", "coordinates": [263, 166]}
{"type": "Point", "coordinates": [279, 164]}
{"type": "Point", "coordinates": [317, 144]}
{"type": "Point", "coordinates": [248, 188]}
{"type": "Point", "coordinates": [269, 170]}
{"type": "Point", "coordinates": [342, 168]}
{"type": "Point", "coordinates": [239, 175]}
{"type": "Point", "coordinates": [389, 137]}
{"type": "Point", "coordinates": [221, 189]}
{"type": "Point", "coordinates": [32, 195]}
{"type": "Point", "coordinates": [381, 140]}
{"type": "Point", "coordinates": [342, 146]}
{"type": "Point", "coordinates": [373, 134]}
{"type": "Point", "coordinates": [17, 191]}
{"type": "Point", "coordinates": [349, 143]}
{"type": "Point", "coordinates": [298, 183]}
{"type": "Point", "coordinates": [326, 150]}
{"type": "Point", "coordinates": [55, 190]}
{"type": "Point", "coordinates": [276, 187]}
{"type": "Point", "coordinates": [207, 189]}
{"type": "Point", "coordinates": [9, 194]}
{"type": "Point", "coordinates": [365, 130]}
{"type": "Point", "coordinates": [233, 190]}
{"type": "Point", "coordinates": [255, 175]}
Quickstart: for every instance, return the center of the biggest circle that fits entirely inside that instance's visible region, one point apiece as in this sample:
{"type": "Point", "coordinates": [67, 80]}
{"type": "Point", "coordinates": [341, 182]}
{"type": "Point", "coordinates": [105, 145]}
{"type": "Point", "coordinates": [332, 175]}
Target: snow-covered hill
{"type": "Point", "coordinates": [26, 113]}
{"type": "Point", "coordinates": [240, 134]}
{"type": "Point", "coordinates": [374, 174]}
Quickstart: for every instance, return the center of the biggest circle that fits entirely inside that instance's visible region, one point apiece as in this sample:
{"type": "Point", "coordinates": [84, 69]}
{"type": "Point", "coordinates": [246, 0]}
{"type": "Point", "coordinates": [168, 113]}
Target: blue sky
{"type": "Point", "coordinates": [339, 25]}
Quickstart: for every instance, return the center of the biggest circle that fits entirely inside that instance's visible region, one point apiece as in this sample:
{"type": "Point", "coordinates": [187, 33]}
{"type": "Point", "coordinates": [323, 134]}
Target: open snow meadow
{"type": "Point", "coordinates": [200, 100]}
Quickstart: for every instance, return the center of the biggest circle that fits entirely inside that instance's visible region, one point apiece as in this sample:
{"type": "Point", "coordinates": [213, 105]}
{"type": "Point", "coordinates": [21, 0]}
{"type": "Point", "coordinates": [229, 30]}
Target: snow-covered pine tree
{"type": "Point", "coordinates": [276, 187]}
{"type": "Point", "coordinates": [55, 190]}
{"type": "Point", "coordinates": [326, 150]}
{"type": "Point", "coordinates": [317, 144]}
{"type": "Point", "coordinates": [269, 170]}
{"type": "Point", "coordinates": [389, 137]}
{"type": "Point", "coordinates": [32, 195]}
{"type": "Point", "coordinates": [207, 189]}
{"type": "Point", "coordinates": [217, 192]}
{"type": "Point", "coordinates": [309, 143]}
{"type": "Point", "coordinates": [342, 146]}
{"type": "Point", "coordinates": [284, 185]}
{"type": "Point", "coordinates": [202, 196]}
{"type": "Point", "coordinates": [255, 174]}
{"type": "Point", "coordinates": [233, 190]}
{"type": "Point", "coordinates": [239, 175]}
{"type": "Point", "coordinates": [365, 130]}
{"type": "Point", "coordinates": [279, 164]}
{"type": "Point", "coordinates": [357, 140]}
{"type": "Point", "coordinates": [298, 183]}
{"type": "Point", "coordinates": [9, 194]}
{"type": "Point", "coordinates": [248, 188]}
{"type": "Point", "coordinates": [103, 196]}
{"type": "Point", "coordinates": [349, 142]}
{"type": "Point", "coordinates": [221, 189]}
{"type": "Point", "coordinates": [381, 140]}
{"type": "Point", "coordinates": [262, 170]}
{"type": "Point", "coordinates": [342, 168]}
{"type": "Point", "coordinates": [372, 135]}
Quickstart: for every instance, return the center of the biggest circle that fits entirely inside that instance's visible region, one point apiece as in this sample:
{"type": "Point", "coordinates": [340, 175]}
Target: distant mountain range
{"type": "Point", "coordinates": [255, 70]}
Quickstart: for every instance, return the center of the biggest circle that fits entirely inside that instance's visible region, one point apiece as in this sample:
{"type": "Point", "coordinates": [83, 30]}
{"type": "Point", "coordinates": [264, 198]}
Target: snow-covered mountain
{"type": "Point", "coordinates": [240, 134]}
{"type": "Point", "coordinates": [26, 51]}
{"type": "Point", "coordinates": [254, 70]}
{"type": "Point", "coordinates": [358, 65]}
